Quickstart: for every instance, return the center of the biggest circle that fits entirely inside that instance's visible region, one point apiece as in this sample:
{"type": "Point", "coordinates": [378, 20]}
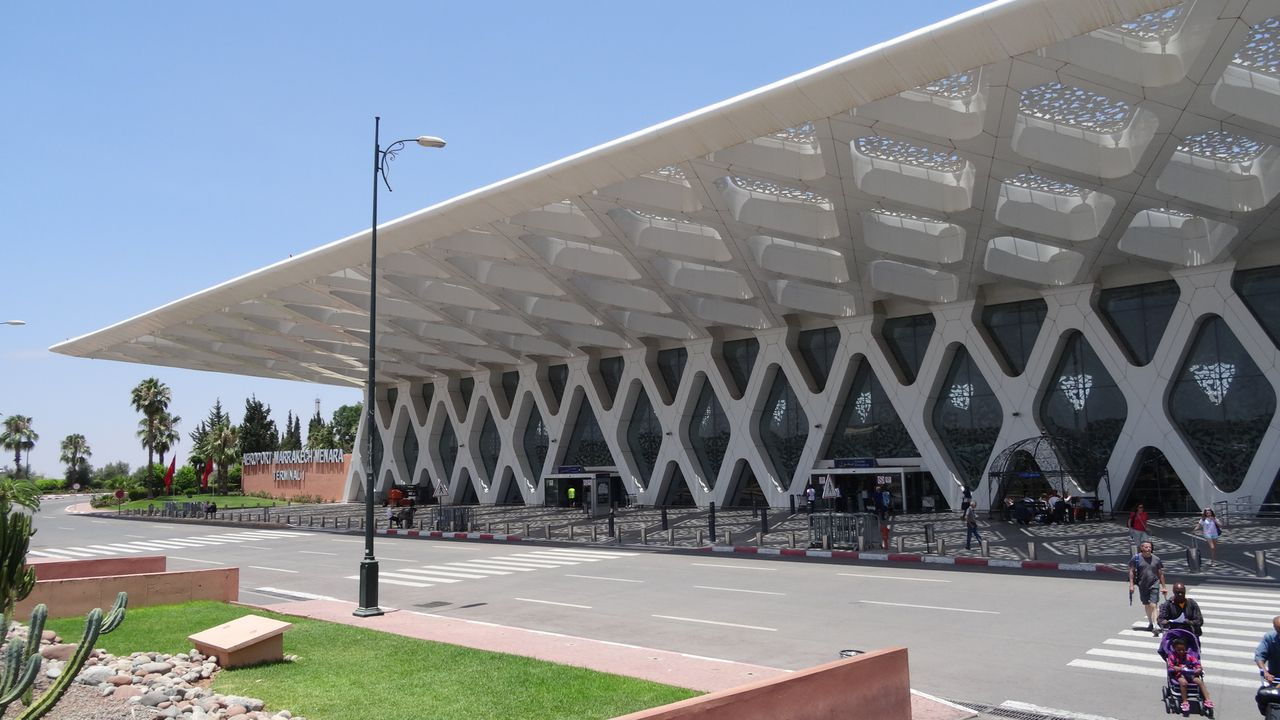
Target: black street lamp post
{"type": "Point", "coordinates": [369, 564]}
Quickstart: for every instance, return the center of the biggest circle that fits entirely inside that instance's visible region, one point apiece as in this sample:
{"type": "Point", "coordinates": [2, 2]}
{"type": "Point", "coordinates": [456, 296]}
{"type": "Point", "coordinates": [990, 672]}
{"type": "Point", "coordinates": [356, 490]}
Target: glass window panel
{"type": "Point", "coordinates": [1222, 404]}
{"type": "Point", "coordinates": [428, 394]}
{"type": "Point", "coordinates": [1157, 487]}
{"type": "Point", "coordinates": [644, 436]}
{"type": "Point", "coordinates": [967, 418]}
{"type": "Point", "coordinates": [535, 441]}
{"type": "Point", "coordinates": [466, 386]}
{"type": "Point", "coordinates": [868, 425]}
{"type": "Point", "coordinates": [490, 446]}
{"type": "Point", "coordinates": [1260, 291]}
{"type": "Point", "coordinates": [671, 366]}
{"type": "Point", "coordinates": [392, 395]}
{"type": "Point", "coordinates": [587, 446]}
{"type": "Point", "coordinates": [558, 377]}
{"type": "Point", "coordinates": [409, 449]}
{"type": "Point", "coordinates": [818, 350]}
{"type": "Point", "coordinates": [510, 385]}
{"type": "Point", "coordinates": [740, 357]}
{"type": "Point", "coordinates": [1014, 327]}
{"type": "Point", "coordinates": [611, 373]}
{"type": "Point", "coordinates": [1139, 315]}
{"type": "Point", "coordinates": [784, 428]}
{"type": "Point", "coordinates": [908, 340]}
{"type": "Point", "coordinates": [709, 433]}
{"type": "Point", "coordinates": [377, 454]}
{"type": "Point", "coordinates": [448, 448]}
{"type": "Point", "coordinates": [1083, 404]}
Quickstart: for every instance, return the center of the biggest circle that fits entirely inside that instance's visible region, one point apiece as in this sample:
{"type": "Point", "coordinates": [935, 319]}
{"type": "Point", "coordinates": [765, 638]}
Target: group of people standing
{"type": "Point", "coordinates": [1207, 525]}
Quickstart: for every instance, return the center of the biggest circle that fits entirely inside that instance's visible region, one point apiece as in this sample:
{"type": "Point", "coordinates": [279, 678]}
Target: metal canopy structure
{"type": "Point", "coordinates": [1066, 466]}
{"type": "Point", "coordinates": [1029, 143]}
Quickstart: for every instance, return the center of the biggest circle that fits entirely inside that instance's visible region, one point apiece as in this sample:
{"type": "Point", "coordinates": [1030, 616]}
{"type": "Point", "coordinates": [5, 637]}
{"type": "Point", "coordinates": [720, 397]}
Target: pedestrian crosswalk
{"type": "Point", "coordinates": [79, 552]}
{"type": "Point", "coordinates": [425, 576]}
{"type": "Point", "coordinates": [1234, 622]}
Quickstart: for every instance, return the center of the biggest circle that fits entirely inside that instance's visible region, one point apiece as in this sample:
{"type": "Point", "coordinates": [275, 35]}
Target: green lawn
{"type": "Point", "coordinates": [225, 502]}
{"type": "Point", "coordinates": [342, 669]}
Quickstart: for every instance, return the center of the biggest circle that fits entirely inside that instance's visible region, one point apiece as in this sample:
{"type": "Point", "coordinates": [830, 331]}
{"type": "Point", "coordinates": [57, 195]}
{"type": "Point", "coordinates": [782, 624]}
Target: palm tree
{"type": "Point", "coordinates": [151, 397]}
{"type": "Point", "coordinates": [166, 433]}
{"type": "Point", "coordinates": [222, 446]}
{"type": "Point", "coordinates": [75, 452]}
{"type": "Point", "coordinates": [18, 437]}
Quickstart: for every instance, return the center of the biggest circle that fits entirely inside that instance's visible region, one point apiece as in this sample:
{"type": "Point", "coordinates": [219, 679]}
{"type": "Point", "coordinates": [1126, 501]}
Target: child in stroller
{"type": "Point", "coordinates": [1185, 686]}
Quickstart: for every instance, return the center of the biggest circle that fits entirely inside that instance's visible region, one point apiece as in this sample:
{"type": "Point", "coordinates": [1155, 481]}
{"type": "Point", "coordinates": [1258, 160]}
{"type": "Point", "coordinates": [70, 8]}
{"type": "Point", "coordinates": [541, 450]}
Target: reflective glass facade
{"type": "Point", "coordinates": [908, 339]}
{"type": "Point", "coordinates": [784, 428]}
{"type": "Point", "coordinates": [709, 433]}
{"type": "Point", "coordinates": [1013, 328]}
{"type": "Point", "coordinates": [466, 386]}
{"type": "Point", "coordinates": [535, 441]}
{"type": "Point", "coordinates": [611, 374]}
{"type": "Point", "coordinates": [490, 446]}
{"type": "Point", "coordinates": [558, 378]}
{"type": "Point", "coordinates": [818, 350]}
{"type": "Point", "coordinates": [510, 386]}
{"type": "Point", "coordinates": [671, 367]}
{"type": "Point", "coordinates": [1083, 405]}
{"type": "Point", "coordinates": [740, 358]}
{"type": "Point", "coordinates": [377, 455]}
{"type": "Point", "coordinates": [587, 446]}
{"type": "Point", "coordinates": [1157, 486]}
{"type": "Point", "coordinates": [967, 418]}
{"type": "Point", "coordinates": [1260, 291]}
{"type": "Point", "coordinates": [1139, 315]}
{"type": "Point", "coordinates": [1222, 404]}
{"type": "Point", "coordinates": [448, 448]}
{"type": "Point", "coordinates": [868, 426]}
{"type": "Point", "coordinates": [746, 492]}
{"type": "Point", "coordinates": [644, 436]}
{"type": "Point", "coordinates": [409, 449]}
{"type": "Point", "coordinates": [428, 394]}
{"type": "Point", "coordinates": [392, 395]}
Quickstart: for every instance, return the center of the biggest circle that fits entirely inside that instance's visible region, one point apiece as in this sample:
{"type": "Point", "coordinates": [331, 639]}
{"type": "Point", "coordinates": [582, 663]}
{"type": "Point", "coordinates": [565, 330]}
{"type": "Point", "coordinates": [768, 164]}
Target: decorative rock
{"type": "Point", "coordinates": [155, 667]}
{"type": "Point", "coordinates": [61, 651]}
{"type": "Point", "coordinates": [165, 704]}
{"type": "Point", "coordinates": [129, 691]}
{"type": "Point", "coordinates": [241, 716]}
{"type": "Point", "coordinates": [107, 691]}
{"type": "Point", "coordinates": [153, 699]}
{"type": "Point", "coordinates": [48, 636]}
{"type": "Point", "coordinates": [250, 704]}
{"type": "Point", "coordinates": [236, 709]}
{"type": "Point", "coordinates": [95, 675]}
{"type": "Point", "coordinates": [120, 679]}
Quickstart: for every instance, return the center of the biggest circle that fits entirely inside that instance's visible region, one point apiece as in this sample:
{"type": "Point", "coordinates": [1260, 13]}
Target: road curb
{"type": "Point", "coordinates": [863, 556]}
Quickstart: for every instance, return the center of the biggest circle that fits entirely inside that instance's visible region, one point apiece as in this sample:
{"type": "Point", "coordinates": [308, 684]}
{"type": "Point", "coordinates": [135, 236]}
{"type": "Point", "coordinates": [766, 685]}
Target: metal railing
{"type": "Point", "coordinates": [831, 529]}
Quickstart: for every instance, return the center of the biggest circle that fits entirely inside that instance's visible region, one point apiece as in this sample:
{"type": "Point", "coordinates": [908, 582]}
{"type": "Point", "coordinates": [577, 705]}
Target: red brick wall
{"type": "Point", "coordinates": [324, 479]}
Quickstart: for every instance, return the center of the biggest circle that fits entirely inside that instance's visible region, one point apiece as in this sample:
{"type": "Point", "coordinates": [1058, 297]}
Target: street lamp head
{"type": "Point", "coordinates": [430, 141]}
{"type": "Point", "coordinates": [15, 322]}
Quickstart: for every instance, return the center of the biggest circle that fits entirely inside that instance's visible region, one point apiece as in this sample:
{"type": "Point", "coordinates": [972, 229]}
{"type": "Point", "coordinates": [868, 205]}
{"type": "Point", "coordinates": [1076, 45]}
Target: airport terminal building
{"type": "Point", "coordinates": [1046, 218]}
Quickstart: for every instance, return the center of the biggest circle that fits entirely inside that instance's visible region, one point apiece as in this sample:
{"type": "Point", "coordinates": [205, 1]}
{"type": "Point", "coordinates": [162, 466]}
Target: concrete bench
{"type": "Point", "coordinates": [248, 640]}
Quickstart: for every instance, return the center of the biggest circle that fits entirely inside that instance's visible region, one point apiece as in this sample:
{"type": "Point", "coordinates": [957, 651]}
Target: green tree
{"type": "Point", "coordinates": [185, 480]}
{"type": "Point", "coordinates": [346, 421]}
{"type": "Point", "coordinates": [215, 418]}
{"type": "Point", "coordinates": [166, 434]}
{"type": "Point", "coordinates": [18, 437]}
{"type": "Point", "coordinates": [103, 476]}
{"type": "Point", "coordinates": [257, 430]}
{"type": "Point", "coordinates": [291, 439]}
{"type": "Point", "coordinates": [222, 446]}
{"type": "Point", "coordinates": [319, 435]}
{"type": "Point", "coordinates": [75, 455]}
{"type": "Point", "coordinates": [150, 397]}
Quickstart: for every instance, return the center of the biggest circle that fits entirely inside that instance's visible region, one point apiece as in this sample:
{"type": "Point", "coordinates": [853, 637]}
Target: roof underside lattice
{"type": "Point", "coordinates": [1027, 144]}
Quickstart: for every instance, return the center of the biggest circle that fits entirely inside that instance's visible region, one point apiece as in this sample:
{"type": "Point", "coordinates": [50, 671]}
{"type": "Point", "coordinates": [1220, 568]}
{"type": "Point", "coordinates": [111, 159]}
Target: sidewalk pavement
{"type": "Point", "coordinates": [679, 669]}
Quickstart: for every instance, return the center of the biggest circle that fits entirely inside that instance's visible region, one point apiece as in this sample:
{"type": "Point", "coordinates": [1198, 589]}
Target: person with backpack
{"type": "Point", "coordinates": [1208, 526]}
{"type": "Point", "coordinates": [971, 525]}
{"type": "Point", "coordinates": [1138, 525]}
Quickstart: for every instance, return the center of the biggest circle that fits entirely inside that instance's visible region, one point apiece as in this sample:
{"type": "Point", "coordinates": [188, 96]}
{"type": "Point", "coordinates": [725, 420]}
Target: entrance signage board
{"type": "Point", "coordinates": [884, 479]}
{"type": "Point", "coordinates": [294, 457]}
{"type": "Point", "coordinates": [569, 469]}
{"type": "Point", "coordinates": [843, 463]}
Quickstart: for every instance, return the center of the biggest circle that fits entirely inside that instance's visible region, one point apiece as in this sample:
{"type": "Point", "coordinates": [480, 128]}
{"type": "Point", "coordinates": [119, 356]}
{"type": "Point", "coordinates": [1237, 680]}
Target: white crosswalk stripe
{"type": "Point", "coordinates": [162, 545]}
{"type": "Point", "coordinates": [425, 576]}
{"type": "Point", "coordinates": [1234, 623]}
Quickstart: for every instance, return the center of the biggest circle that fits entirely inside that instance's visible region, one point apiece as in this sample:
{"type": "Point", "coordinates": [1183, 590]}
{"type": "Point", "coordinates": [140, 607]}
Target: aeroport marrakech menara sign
{"type": "Point", "coordinates": [287, 473]}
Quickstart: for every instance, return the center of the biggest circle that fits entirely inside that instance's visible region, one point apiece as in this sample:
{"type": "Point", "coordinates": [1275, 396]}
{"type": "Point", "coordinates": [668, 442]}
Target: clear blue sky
{"type": "Point", "coordinates": [150, 150]}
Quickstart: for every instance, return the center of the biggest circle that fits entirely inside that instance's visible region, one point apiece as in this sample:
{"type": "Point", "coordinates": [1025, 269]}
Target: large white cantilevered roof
{"type": "Point", "coordinates": [1032, 143]}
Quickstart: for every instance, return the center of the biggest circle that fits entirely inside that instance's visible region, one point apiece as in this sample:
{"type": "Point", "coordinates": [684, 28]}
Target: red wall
{"type": "Point", "coordinates": [324, 479]}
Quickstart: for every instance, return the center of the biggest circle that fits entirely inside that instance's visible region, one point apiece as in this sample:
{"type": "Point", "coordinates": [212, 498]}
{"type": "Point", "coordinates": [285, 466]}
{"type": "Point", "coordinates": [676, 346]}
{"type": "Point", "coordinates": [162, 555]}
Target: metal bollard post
{"type": "Point", "coordinates": [711, 520]}
{"type": "Point", "coordinates": [1260, 562]}
{"type": "Point", "coordinates": [792, 498]}
{"type": "Point", "coordinates": [612, 527]}
{"type": "Point", "coordinates": [862, 542]}
{"type": "Point", "coordinates": [526, 530]}
{"type": "Point", "coordinates": [759, 539]}
{"type": "Point", "coordinates": [701, 539]}
{"type": "Point", "coordinates": [593, 533]}
{"type": "Point", "coordinates": [792, 542]}
{"type": "Point", "coordinates": [323, 520]}
{"type": "Point", "coordinates": [362, 523]}
{"type": "Point", "coordinates": [644, 535]}
{"type": "Point", "coordinates": [547, 532]}
{"type": "Point", "coordinates": [1082, 552]}
{"type": "Point", "coordinates": [826, 541]}
{"type": "Point", "coordinates": [570, 532]}
{"type": "Point", "coordinates": [985, 548]}
{"type": "Point", "coordinates": [507, 529]}
{"type": "Point", "coordinates": [488, 527]}
{"type": "Point", "coordinates": [671, 537]}
{"type": "Point", "coordinates": [764, 522]}
{"type": "Point", "coordinates": [1031, 549]}
{"type": "Point", "coordinates": [900, 543]}
{"type": "Point", "coordinates": [664, 519]}
{"type": "Point", "coordinates": [1193, 559]}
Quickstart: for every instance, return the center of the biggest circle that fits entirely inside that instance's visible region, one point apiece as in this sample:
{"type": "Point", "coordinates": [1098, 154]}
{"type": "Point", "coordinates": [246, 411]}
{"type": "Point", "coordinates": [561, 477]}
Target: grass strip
{"type": "Point", "coordinates": [344, 672]}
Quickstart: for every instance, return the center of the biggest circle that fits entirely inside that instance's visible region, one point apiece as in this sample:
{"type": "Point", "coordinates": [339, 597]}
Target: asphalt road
{"type": "Point", "coordinates": [1055, 641]}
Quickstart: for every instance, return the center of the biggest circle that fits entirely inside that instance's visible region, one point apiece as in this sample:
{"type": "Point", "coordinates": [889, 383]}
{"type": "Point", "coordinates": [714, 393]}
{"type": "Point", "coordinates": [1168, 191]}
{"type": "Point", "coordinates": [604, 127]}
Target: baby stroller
{"type": "Point", "coordinates": [1172, 692]}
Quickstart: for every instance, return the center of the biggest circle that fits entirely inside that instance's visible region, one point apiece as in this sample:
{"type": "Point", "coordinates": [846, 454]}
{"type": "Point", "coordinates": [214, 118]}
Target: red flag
{"type": "Point", "coordinates": [168, 475]}
{"type": "Point", "coordinates": [204, 476]}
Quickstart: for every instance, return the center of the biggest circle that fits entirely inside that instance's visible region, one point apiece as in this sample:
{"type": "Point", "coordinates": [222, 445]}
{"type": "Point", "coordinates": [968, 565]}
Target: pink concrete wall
{"type": "Point", "coordinates": [875, 686]}
{"type": "Point", "coordinates": [324, 479]}
{"type": "Point", "coordinates": [51, 569]}
{"type": "Point", "coordinates": [77, 596]}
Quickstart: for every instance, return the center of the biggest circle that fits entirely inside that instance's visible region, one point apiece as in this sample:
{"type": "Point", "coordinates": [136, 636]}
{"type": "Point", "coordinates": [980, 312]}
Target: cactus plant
{"type": "Point", "coordinates": [20, 660]}
{"type": "Point", "coordinates": [16, 577]}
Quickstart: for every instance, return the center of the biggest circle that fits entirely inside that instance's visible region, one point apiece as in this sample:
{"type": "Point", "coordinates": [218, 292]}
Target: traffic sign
{"type": "Point", "coordinates": [120, 494]}
{"type": "Point", "coordinates": [75, 486]}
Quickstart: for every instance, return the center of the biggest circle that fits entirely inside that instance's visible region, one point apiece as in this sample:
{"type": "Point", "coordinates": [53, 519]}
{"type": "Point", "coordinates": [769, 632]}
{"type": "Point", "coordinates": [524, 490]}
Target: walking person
{"type": "Point", "coordinates": [971, 525]}
{"type": "Point", "coordinates": [1208, 526]}
{"type": "Point", "coordinates": [1146, 571]}
{"type": "Point", "coordinates": [810, 496]}
{"type": "Point", "coordinates": [1181, 612]}
{"type": "Point", "coordinates": [1138, 525]}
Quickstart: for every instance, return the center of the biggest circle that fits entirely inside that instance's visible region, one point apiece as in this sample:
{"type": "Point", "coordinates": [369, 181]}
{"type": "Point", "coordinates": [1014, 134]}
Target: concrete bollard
{"type": "Point", "coordinates": [985, 546]}
{"type": "Point", "coordinates": [593, 533]}
{"type": "Point", "coordinates": [1193, 559]}
{"type": "Point", "coordinates": [1260, 563]}
{"type": "Point", "coordinates": [826, 541]}
{"type": "Point", "coordinates": [1082, 552]}
{"type": "Point", "coordinates": [728, 537]}
{"type": "Point", "coordinates": [1031, 549]}
{"type": "Point", "coordinates": [547, 532]}
{"type": "Point", "coordinates": [570, 532]}
{"type": "Point", "coordinates": [700, 538]}
{"type": "Point", "coordinates": [900, 543]}
{"type": "Point", "coordinates": [671, 537]}
{"type": "Point", "coordinates": [862, 542]}
{"type": "Point", "coordinates": [644, 535]}
{"type": "Point", "coordinates": [942, 546]}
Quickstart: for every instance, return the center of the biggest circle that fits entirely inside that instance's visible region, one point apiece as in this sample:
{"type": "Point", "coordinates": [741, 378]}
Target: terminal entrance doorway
{"type": "Point", "coordinates": [911, 489]}
{"type": "Point", "coordinates": [595, 491]}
